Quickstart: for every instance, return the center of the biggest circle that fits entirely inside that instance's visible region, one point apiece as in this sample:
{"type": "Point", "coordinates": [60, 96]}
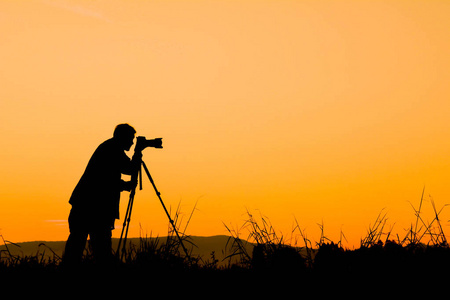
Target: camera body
{"type": "Point", "coordinates": [143, 143]}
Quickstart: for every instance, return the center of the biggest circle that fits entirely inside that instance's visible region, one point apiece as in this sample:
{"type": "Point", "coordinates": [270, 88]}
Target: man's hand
{"type": "Point", "coordinates": [130, 185]}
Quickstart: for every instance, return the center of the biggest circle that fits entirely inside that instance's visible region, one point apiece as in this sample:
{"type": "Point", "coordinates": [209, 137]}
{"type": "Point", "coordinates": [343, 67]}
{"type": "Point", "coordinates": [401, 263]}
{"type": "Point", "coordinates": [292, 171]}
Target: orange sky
{"type": "Point", "coordinates": [320, 111]}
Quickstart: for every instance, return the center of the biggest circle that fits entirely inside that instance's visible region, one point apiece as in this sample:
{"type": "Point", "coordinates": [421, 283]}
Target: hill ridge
{"type": "Point", "coordinates": [202, 246]}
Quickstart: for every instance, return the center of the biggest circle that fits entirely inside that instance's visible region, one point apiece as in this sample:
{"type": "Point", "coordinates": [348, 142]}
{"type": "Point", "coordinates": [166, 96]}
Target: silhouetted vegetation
{"type": "Point", "coordinates": [422, 251]}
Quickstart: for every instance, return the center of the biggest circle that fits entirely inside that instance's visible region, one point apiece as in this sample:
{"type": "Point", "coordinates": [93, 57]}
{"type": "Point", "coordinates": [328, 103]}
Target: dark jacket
{"type": "Point", "coordinates": [98, 191]}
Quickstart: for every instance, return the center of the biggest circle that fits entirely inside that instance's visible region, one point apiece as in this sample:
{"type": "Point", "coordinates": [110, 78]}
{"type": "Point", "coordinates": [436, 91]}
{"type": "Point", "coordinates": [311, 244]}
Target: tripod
{"type": "Point", "coordinates": [127, 218]}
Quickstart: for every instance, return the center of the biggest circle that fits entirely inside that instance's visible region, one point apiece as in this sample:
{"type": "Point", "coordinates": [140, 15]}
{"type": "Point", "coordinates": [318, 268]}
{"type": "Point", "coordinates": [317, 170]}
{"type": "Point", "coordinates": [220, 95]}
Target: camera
{"type": "Point", "coordinates": [143, 143]}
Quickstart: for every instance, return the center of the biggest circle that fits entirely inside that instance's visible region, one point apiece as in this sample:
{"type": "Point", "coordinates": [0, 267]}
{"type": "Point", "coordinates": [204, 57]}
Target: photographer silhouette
{"type": "Point", "coordinates": [95, 199]}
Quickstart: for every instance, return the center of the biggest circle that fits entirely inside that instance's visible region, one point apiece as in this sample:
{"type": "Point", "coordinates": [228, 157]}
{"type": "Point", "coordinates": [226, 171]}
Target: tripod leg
{"type": "Point", "coordinates": [127, 218]}
{"type": "Point", "coordinates": [125, 222]}
{"type": "Point", "coordinates": [130, 204]}
{"type": "Point", "coordinates": [167, 213]}
{"type": "Point", "coordinates": [140, 176]}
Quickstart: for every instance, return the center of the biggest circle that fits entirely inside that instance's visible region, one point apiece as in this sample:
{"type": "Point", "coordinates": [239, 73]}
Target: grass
{"type": "Point", "coordinates": [423, 250]}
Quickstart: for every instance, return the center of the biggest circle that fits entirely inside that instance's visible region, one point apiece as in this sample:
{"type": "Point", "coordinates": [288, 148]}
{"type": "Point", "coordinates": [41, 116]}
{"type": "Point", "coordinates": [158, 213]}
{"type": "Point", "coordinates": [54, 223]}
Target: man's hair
{"type": "Point", "coordinates": [123, 130]}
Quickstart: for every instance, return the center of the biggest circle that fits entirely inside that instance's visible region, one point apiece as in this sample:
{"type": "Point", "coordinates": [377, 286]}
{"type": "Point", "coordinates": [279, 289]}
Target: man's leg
{"type": "Point", "coordinates": [100, 239]}
{"type": "Point", "coordinates": [76, 242]}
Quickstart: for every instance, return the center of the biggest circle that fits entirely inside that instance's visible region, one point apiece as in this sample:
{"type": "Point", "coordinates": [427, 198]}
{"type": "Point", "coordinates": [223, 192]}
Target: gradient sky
{"type": "Point", "coordinates": [316, 111]}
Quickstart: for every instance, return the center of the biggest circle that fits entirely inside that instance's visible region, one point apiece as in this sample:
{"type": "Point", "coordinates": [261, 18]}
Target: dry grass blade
{"type": "Point", "coordinates": [441, 235]}
{"type": "Point", "coordinates": [308, 244]}
{"type": "Point", "coordinates": [420, 207]}
{"type": "Point", "coordinates": [190, 216]}
{"type": "Point", "coordinates": [323, 239]}
{"type": "Point", "coordinates": [237, 247]}
{"type": "Point", "coordinates": [53, 252]}
{"type": "Point", "coordinates": [342, 235]}
{"type": "Point", "coordinates": [375, 232]}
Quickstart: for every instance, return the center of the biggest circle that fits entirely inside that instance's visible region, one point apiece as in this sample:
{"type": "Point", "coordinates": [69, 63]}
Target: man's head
{"type": "Point", "coordinates": [124, 134]}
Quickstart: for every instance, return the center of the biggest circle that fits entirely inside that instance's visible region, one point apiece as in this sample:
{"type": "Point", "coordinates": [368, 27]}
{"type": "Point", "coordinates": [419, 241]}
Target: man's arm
{"type": "Point", "coordinates": [131, 168]}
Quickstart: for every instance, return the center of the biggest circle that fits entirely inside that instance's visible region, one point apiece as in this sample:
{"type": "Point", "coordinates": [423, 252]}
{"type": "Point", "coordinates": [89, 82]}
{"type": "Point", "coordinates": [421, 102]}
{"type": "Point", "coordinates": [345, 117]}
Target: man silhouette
{"type": "Point", "coordinates": [95, 199]}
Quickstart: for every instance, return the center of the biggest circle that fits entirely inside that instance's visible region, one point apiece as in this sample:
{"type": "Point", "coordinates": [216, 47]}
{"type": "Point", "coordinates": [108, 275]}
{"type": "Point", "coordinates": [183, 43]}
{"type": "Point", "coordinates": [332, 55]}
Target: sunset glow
{"type": "Point", "coordinates": [324, 112]}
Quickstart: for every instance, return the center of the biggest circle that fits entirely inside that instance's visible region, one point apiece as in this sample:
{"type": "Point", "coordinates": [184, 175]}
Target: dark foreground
{"type": "Point", "coordinates": [270, 267]}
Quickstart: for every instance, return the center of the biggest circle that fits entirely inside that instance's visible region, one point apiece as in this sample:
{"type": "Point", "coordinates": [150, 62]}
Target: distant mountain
{"type": "Point", "coordinates": [200, 246]}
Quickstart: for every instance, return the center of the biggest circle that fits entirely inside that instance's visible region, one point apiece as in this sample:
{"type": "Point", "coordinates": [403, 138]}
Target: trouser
{"type": "Point", "coordinates": [81, 225]}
